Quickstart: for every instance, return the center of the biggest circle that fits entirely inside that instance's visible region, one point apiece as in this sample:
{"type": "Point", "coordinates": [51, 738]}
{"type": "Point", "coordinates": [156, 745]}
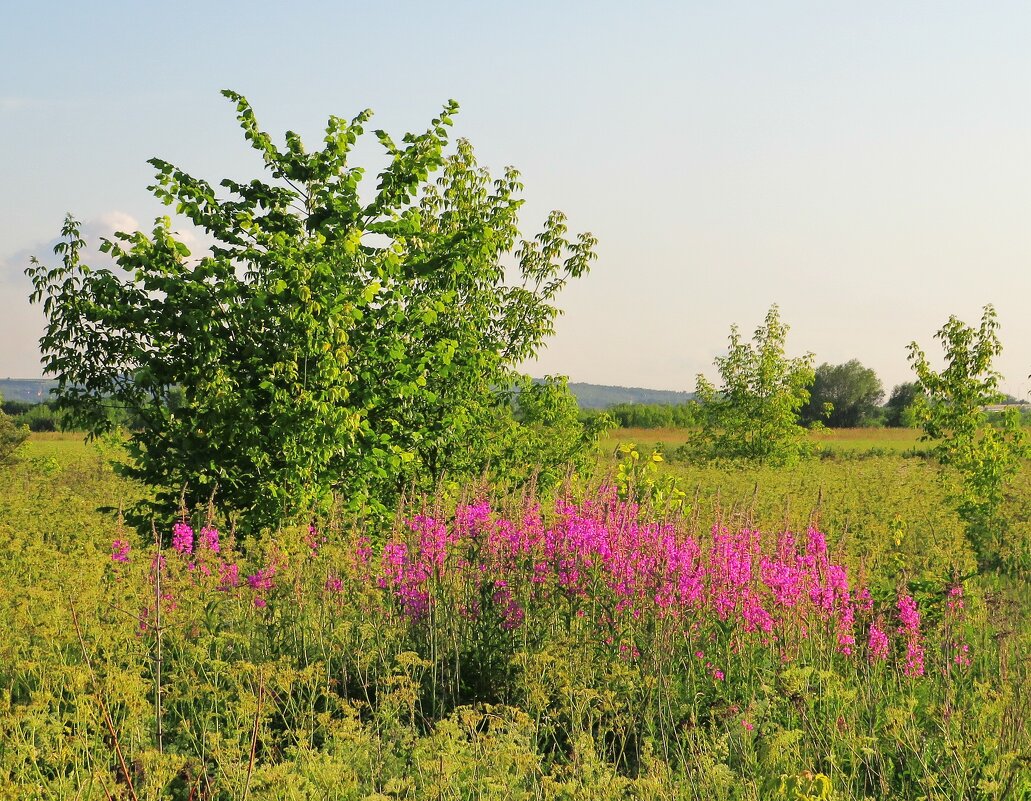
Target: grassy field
{"type": "Point", "coordinates": [519, 652]}
{"type": "Point", "coordinates": [832, 441]}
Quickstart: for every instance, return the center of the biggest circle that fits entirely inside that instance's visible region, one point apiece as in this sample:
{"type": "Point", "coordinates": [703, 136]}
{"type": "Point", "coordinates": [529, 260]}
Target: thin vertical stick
{"type": "Point", "coordinates": [157, 618]}
{"type": "Point", "coordinates": [254, 737]}
{"type": "Point", "coordinates": [103, 706]}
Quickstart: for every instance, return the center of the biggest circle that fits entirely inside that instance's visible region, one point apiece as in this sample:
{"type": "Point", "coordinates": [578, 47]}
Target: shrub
{"type": "Point", "coordinates": [754, 415]}
{"type": "Point", "coordinates": [11, 438]}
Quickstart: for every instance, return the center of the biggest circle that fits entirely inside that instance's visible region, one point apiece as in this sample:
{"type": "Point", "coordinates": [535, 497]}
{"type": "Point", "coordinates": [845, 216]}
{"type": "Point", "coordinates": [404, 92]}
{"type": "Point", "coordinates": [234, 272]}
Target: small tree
{"type": "Point", "coordinates": [843, 395]}
{"type": "Point", "coordinates": [754, 414]}
{"type": "Point", "coordinates": [900, 410]}
{"type": "Point", "coordinates": [952, 413]}
{"type": "Point", "coordinates": [335, 341]}
{"type": "Point", "coordinates": [543, 436]}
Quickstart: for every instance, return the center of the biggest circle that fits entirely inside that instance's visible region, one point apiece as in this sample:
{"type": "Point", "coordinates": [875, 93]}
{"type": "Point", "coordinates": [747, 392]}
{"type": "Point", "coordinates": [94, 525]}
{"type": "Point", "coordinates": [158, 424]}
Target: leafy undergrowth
{"type": "Point", "coordinates": [580, 650]}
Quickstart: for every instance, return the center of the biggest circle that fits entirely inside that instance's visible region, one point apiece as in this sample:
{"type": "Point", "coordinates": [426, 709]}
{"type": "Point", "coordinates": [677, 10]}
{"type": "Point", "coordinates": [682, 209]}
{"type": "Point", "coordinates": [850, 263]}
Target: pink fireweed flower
{"type": "Point", "coordinates": [209, 539]}
{"type": "Point", "coordinates": [228, 576]}
{"type": "Point", "coordinates": [877, 643]}
{"type": "Point", "coordinates": [845, 623]}
{"type": "Point", "coordinates": [783, 579]}
{"type": "Point", "coordinates": [406, 574]}
{"type": "Point", "coordinates": [363, 552]}
{"type": "Point", "coordinates": [914, 665]}
{"type": "Point", "coordinates": [182, 538]}
{"type": "Point", "coordinates": [629, 652]}
{"type": "Point", "coordinates": [909, 616]}
{"type": "Point", "coordinates": [472, 520]}
{"type": "Point", "coordinates": [512, 614]}
{"type": "Point", "coordinates": [119, 551]}
{"type": "Point", "coordinates": [262, 580]}
{"type": "Point", "coordinates": [313, 540]}
{"type": "Point", "coordinates": [954, 615]}
{"type": "Point", "coordinates": [954, 601]}
{"type": "Point", "coordinates": [755, 617]}
{"type": "Point", "coordinates": [747, 725]}
{"type": "Point", "coordinates": [865, 601]}
{"type": "Point", "coordinates": [334, 584]}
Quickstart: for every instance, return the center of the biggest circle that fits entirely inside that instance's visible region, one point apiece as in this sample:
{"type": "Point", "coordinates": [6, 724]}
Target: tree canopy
{"type": "Point", "coordinates": [843, 395]}
{"type": "Point", "coordinates": [900, 410]}
{"type": "Point", "coordinates": [337, 339]}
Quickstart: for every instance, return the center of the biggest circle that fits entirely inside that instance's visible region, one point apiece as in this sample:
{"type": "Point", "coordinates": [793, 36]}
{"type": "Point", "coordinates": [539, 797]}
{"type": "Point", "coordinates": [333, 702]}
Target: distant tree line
{"type": "Point", "coordinates": [841, 396]}
{"type": "Point", "coordinates": [48, 416]}
{"type": "Point", "coordinates": [655, 415]}
{"type": "Point", "coordinates": [34, 416]}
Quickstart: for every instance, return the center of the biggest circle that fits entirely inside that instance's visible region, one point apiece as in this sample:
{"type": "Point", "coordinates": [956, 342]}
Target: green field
{"type": "Point", "coordinates": [829, 441]}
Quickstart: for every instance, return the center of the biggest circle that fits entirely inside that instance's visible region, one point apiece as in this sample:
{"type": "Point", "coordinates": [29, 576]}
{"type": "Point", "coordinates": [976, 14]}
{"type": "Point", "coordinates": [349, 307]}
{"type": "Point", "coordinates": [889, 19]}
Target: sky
{"type": "Point", "coordinates": [867, 167]}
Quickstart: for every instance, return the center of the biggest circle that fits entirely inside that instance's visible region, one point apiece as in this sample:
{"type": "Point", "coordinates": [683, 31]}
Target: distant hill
{"type": "Point", "coordinates": [602, 396]}
{"type": "Point", "coordinates": [589, 396]}
{"type": "Point", "coordinates": [33, 390]}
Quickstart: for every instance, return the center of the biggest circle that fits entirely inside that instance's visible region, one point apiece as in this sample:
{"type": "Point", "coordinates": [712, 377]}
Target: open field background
{"type": "Point", "coordinates": [839, 442]}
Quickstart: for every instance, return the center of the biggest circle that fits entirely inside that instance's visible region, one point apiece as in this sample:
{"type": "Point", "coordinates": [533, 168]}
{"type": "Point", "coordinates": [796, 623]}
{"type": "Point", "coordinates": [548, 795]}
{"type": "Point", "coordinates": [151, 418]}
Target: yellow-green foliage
{"type": "Point", "coordinates": [337, 696]}
{"type": "Point", "coordinates": [11, 437]}
{"type": "Point", "coordinates": [881, 514]}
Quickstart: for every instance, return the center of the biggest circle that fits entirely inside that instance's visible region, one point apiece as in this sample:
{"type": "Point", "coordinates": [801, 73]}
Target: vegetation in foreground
{"type": "Point", "coordinates": [589, 649]}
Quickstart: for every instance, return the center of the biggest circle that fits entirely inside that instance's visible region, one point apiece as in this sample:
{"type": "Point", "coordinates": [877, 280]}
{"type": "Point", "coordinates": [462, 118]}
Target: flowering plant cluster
{"type": "Point", "coordinates": [635, 586]}
{"type": "Point", "coordinates": [626, 576]}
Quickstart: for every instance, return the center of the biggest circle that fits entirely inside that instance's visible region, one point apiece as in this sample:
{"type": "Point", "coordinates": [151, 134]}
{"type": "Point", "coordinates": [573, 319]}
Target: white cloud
{"type": "Point", "coordinates": [22, 324]}
{"type": "Point", "coordinates": [111, 221]}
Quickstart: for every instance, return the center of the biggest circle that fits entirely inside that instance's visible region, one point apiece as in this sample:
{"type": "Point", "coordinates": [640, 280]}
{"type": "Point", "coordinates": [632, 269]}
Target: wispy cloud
{"type": "Point", "coordinates": [12, 268]}
{"type": "Point", "coordinates": [17, 103]}
{"type": "Point", "coordinates": [21, 324]}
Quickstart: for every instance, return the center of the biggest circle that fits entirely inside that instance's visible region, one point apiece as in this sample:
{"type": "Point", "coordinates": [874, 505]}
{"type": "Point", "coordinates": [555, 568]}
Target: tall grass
{"type": "Point", "coordinates": [585, 648]}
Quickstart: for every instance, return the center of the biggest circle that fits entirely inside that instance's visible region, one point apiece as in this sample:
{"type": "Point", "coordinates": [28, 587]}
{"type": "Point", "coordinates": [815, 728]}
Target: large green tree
{"type": "Point", "coordinates": [843, 395]}
{"type": "Point", "coordinates": [754, 414]}
{"type": "Point", "coordinates": [337, 338]}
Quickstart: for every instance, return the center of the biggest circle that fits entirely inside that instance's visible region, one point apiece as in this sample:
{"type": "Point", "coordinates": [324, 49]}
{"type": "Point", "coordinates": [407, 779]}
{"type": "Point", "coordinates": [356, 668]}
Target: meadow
{"type": "Point", "coordinates": [814, 631]}
{"type": "Point", "coordinates": [826, 442]}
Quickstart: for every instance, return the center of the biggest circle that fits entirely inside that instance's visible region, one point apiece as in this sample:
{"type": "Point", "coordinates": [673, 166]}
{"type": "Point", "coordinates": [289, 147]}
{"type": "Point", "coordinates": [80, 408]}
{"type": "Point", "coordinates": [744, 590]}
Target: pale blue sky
{"type": "Point", "coordinates": [866, 166]}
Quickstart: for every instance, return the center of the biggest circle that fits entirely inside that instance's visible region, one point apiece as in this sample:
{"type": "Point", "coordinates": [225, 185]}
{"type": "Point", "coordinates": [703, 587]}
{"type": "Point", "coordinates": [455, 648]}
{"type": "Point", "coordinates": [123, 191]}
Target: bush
{"type": "Point", "coordinates": [655, 415]}
{"type": "Point", "coordinates": [754, 414]}
{"type": "Point", "coordinates": [42, 417]}
{"type": "Point", "coordinates": [11, 438]}
{"type": "Point", "coordinates": [984, 457]}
